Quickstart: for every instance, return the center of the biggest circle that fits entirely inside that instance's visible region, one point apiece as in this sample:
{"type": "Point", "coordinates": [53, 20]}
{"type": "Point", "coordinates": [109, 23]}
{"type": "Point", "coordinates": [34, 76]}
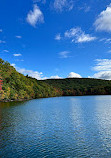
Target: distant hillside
{"type": "Point", "coordinates": [81, 86]}
{"type": "Point", "coordinates": [19, 87]}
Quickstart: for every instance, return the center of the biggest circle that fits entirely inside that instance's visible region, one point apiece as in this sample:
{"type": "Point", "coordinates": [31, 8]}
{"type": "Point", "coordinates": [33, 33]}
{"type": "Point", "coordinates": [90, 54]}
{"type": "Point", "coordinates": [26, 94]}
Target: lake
{"type": "Point", "coordinates": [66, 127]}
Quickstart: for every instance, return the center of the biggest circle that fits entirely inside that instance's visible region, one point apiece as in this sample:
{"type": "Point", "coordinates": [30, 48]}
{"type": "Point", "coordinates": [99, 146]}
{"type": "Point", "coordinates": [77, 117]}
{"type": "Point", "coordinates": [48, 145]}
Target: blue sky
{"type": "Point", "coordinates": [57, 38]}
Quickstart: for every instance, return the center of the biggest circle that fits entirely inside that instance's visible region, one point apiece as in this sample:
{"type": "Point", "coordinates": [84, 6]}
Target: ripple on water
{"type": "Point", "coordinates": [56, 127]}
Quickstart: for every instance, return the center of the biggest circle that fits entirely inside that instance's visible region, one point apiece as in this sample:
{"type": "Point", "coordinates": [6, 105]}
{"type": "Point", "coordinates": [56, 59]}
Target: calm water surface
{"type": "Point", "coordinates": [68, 127]}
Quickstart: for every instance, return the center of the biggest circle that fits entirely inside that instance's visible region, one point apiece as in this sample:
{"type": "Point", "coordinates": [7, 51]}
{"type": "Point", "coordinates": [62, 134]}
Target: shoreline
{"type": "Point", "coordinates": [20, 100]}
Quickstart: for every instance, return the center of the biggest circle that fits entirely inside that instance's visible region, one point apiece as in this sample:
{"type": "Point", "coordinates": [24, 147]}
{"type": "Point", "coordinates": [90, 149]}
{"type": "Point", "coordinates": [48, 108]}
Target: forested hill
{"type": "Point", "coordinates": [19, 87]}
{"type": "Point", "coordinates": [81, 86]}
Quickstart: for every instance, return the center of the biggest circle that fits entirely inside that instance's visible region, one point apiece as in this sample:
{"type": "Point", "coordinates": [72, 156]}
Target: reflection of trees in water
{"type": "Point", "coordinates": [8, 114]}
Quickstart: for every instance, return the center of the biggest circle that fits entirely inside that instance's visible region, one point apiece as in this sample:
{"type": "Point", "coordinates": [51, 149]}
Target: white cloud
{"type": "Point", "coordinates": [74, 75]}
{"type": "Point", "coordinates": [78, 36]}
{"type": "Point", "coordinates": [31, 73]}
{"type": "Point", "coordinates": [2, 42]}
{"type": "Point", "coordinates": [58, 37]}
{"type": "Point", "coordinates": [40, 76]}
{"type": "Point", "coordinates": [103, 66]}
{"type": "Point", "coordinates": [55, 77]}
{"type": "Point", "coordinates": [85, 38]}
{"type": "Point", "coordinates": [103, 21]}
{"type": "Point", "coordinates": [35, 17]}
{"type": "Point", "coordinates": [61, 5]}
{"type": "Point", "coordinates": [6, 51]}
{"type": "Point", "coordinates": [72, 32]}
{"type": "Point", "coordinates": [13, 64]}
{"type": "Point", "coordinates": [17, 55]}
{"type": "Point", "coordinates": [64, 54]}
{"type": "Point", "coordinates": [34, 74]}
{"type": "Point", "coordinates": [103, 75]}
{"type": "Point", "coordinates": [18, 37]}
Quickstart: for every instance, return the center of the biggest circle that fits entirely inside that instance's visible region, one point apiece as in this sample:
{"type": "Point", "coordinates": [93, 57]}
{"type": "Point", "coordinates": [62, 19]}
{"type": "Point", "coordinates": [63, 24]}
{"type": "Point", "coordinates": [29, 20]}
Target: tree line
{"type": "Point", "coordinates": [16, 86]}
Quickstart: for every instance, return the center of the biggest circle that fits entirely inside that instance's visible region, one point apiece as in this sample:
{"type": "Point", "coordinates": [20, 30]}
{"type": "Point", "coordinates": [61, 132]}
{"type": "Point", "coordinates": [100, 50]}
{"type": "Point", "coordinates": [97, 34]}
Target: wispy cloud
{"type": "Point", "coordinates": [85, 8]}
{"type": "Point", "coordinates": [105, 40]}
{"type": "Point", "coordinates": [72, 32]}
{"type": "Point", "coordinates": [103, 21]}
{"type": "Point", "coordinates": [58, 37]}
{"type": "Point", "coordinates": [19, 37]}
{"type": "Point", "coordinates": [74, 75]}
{"type": "Point", "coordinates": [17, 55]}
{"type": "Point", "coordinates": [42, 1]}
{"type": "Point", "coordinates": [109, 51]}
{"type": "Point", "coordinates": [61, 5]}
{"type": "Point", "coordinates": [19, 60]}
{"type": "Point", "coordinates": [35, 16]}
{"type": "Point", "coordinates": [2, 41]}
{"type": "Point", "coordinates": [78, 36]}
{"type": "Point", "coordinates": [6, 51]}
{"type": "Point", "coordinates": [64, 54]}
